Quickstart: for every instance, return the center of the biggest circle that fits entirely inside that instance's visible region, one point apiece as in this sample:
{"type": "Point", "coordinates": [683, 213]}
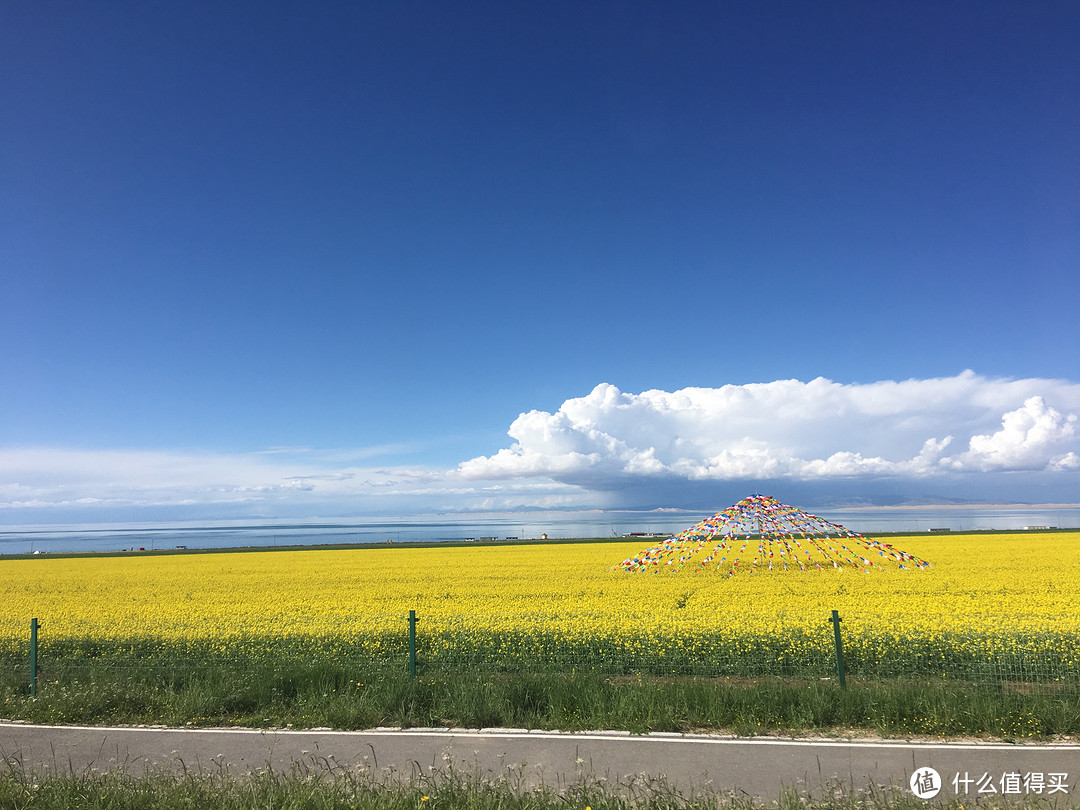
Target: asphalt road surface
{"type": "Point", "coordinates": [740, 766]}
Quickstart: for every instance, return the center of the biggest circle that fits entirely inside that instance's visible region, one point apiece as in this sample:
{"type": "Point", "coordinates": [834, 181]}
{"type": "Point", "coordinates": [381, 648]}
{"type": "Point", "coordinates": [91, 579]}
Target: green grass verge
{"type": "Point", "coordinates": [307, 789]}
{"type": "Point", "coordinates": [321, 694]}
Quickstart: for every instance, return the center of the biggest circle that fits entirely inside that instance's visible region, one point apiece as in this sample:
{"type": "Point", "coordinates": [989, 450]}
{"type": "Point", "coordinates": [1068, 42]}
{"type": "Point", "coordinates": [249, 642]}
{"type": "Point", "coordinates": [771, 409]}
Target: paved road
{"type": "Point", "coordinates": [758, 767]}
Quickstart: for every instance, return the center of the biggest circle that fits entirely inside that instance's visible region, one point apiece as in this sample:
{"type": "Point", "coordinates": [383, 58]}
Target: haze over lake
{"type": "Point", "coordinates": [485, 526]}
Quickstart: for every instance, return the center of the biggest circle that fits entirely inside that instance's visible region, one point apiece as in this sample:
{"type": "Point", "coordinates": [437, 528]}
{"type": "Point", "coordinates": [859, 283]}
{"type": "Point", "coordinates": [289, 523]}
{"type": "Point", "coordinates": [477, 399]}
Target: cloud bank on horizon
{"type": "Point", "coordinates": [962, 437]}
{"type": "Point", "coordinates": [801, 430]}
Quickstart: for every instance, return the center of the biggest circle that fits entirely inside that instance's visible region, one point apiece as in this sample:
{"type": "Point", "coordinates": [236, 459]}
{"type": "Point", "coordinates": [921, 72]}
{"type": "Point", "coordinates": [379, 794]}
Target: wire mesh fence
{"type": "Point", "coordinates": [1016, 652]}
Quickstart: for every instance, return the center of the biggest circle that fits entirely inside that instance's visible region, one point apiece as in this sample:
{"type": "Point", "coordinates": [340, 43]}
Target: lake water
{"type": "Point", "coordinates": [507, 525]}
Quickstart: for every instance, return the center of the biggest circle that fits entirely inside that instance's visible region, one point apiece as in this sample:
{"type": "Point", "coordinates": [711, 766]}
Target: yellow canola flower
{"type": "Point", "coordinates": [986, 595]}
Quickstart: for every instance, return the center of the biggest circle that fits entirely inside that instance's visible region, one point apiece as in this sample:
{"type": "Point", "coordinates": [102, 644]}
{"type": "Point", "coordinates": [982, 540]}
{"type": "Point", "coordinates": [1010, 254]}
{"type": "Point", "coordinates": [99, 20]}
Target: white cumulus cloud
{"type": "Point", "coordinates": [1032, 437]}
{"type": "Point", "coordinates": [789, 429]}
{"type": "Point", "coordinates": [970, 436]}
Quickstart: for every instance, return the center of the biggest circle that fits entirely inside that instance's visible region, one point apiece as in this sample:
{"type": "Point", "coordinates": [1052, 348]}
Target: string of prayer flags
{"type": "Point", "coordinates": [783, 535]}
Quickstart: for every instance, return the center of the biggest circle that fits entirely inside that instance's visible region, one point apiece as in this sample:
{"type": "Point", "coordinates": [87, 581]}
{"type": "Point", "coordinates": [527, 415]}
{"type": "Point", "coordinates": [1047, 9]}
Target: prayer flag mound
{"type": "Point", "coordinates": [761, 534]}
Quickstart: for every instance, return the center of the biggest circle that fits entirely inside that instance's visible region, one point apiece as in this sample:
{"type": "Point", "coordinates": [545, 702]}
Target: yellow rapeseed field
{"type": "Point", "coordinates": [990, 590]}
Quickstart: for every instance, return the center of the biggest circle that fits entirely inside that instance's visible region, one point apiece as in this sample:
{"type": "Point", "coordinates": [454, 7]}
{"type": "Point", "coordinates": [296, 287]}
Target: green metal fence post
{"type": "Point", "coordinates": [835, 619]}
{"type": "Point", "coordinates": [412, 643]}
{"type": "Point", "coordinates": [33, 657]}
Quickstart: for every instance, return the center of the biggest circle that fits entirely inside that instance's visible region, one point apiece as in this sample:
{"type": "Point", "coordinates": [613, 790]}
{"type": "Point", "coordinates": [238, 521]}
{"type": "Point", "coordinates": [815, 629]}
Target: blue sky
{"type": "Point", "coordinates": [320, 258]}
